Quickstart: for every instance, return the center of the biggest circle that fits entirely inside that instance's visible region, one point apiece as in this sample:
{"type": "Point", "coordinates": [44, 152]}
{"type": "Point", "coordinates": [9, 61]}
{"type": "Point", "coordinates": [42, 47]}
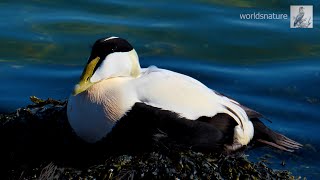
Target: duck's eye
{"type": "Point", "coordinates": [88, 78]}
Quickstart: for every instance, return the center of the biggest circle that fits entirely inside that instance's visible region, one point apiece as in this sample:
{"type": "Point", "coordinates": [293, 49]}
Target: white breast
{"type": "Point", "coordinates": [92, 114]}
{"type": "Point", "coordinates": [88, 118]}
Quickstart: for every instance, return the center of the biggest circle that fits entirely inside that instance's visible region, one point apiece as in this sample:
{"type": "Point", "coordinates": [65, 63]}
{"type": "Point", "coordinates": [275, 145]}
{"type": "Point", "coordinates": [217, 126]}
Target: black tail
{"type": "Point", "coordinates": [266, 136]}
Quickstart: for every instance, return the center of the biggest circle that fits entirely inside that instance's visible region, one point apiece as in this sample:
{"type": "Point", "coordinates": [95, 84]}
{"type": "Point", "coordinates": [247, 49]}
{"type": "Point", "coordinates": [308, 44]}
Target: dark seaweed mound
{"type": "Point", "coordinates": [38, 143]}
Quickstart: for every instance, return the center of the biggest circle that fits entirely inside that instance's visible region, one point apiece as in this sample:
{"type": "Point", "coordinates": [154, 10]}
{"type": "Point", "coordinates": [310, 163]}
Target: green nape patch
{"type": "Point", "coordinates": [37, 142]}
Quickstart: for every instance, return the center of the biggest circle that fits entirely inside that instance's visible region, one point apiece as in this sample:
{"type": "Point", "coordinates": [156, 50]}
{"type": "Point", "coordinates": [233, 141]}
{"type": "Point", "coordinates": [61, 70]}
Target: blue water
{"type": "Point", "coordinates": [261, 63]}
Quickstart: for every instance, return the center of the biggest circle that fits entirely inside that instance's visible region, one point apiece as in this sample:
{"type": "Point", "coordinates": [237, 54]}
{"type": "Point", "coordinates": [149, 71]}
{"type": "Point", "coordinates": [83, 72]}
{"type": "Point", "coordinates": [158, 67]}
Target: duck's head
{"type": "Point", "coordinates": [110, 57]}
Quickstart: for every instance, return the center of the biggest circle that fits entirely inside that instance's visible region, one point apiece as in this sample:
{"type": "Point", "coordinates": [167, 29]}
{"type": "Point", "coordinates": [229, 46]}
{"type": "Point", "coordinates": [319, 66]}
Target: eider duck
{"type": "Point", "coordinates": [113, 88]}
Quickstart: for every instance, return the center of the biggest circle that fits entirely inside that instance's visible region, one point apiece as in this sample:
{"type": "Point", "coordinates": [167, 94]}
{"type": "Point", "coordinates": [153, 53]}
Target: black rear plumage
{"type": "Point", "coordinates": [145, 125]}
{"type": "Point", "coordinates": [264, 135]}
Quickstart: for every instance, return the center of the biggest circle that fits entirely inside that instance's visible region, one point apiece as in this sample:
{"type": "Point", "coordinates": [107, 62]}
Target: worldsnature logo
{"type": "Point", "coordinates": [301, 16]}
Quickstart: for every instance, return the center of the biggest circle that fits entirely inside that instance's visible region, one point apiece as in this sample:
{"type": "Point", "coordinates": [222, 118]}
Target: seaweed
{"type": "Point", "coordinates": [38, 143]}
